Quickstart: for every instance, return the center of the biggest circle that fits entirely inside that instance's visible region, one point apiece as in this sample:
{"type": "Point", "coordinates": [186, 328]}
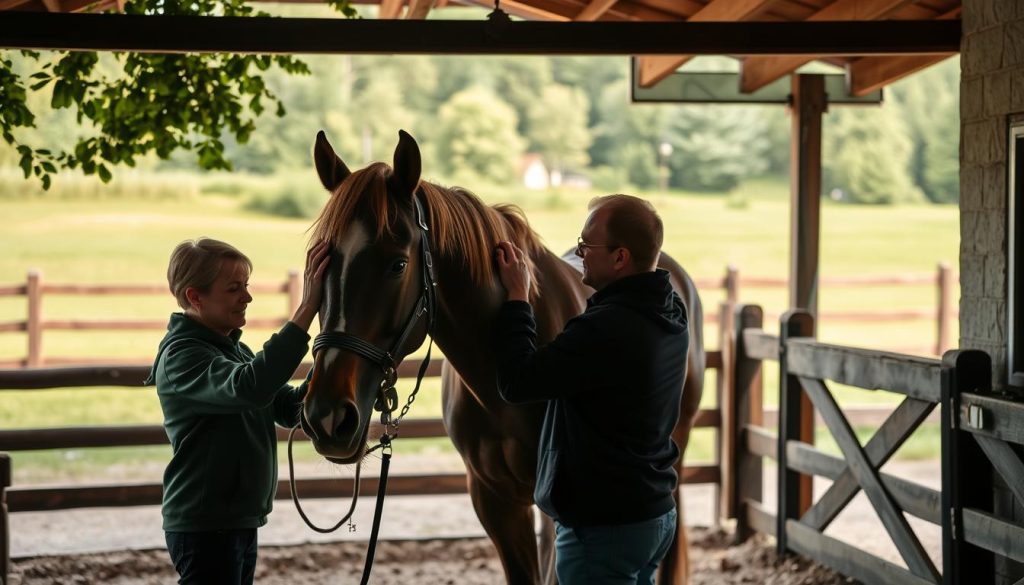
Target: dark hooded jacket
{"type": "Point", "coordinates": [220, 402]}
{"type": "Point", "coordinates": [613, 380]}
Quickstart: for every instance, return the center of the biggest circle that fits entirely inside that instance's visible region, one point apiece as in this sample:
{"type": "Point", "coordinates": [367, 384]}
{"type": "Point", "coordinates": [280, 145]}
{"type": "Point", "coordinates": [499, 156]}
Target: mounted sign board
{"type": "Point", "coordinates": [724, 88]}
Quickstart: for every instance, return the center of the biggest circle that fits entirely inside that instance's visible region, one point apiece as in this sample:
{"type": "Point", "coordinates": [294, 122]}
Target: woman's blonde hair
{"type": "Point", "coordinates": [196, 264]}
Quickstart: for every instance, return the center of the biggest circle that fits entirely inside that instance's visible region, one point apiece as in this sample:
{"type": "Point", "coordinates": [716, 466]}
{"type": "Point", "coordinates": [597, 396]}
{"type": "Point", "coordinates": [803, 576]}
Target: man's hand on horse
{"type": "Point", "coordinates": [513, 271]}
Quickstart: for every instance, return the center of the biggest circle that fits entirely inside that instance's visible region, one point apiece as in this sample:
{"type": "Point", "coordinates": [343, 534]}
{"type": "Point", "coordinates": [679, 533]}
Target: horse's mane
{"type": "Point", "coordinates": [462, 227]}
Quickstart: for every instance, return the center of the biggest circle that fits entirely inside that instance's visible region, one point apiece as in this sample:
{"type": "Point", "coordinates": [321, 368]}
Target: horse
{"type": "Point", "coordinates": [388, 228]}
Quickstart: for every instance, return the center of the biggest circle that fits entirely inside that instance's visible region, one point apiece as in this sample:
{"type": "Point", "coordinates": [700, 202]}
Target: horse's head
{"type": "Point", "coordinates": [375, 294]}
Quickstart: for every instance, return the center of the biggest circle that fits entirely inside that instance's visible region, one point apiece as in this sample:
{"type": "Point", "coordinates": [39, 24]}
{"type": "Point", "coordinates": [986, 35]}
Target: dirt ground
{"type": "Point", "coordinates": [427, 562]}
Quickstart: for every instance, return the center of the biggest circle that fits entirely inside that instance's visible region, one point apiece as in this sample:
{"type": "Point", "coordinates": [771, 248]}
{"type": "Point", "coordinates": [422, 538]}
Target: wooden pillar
{"type": "Point", "coordinates": [34, 326]}
{"type": "Point", "coordinates": [966, 470]}
{"type": "Point", "coordinates": [794, 491]}
{"type": "Point", "coordinates": [744, 476]}
{"type": "Point", "coordinates": [809, 104]}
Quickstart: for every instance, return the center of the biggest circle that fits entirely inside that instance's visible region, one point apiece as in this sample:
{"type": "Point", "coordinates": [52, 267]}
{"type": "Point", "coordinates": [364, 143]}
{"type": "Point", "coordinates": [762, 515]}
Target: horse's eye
{"type": "Point", "coordinates": [399, 266]}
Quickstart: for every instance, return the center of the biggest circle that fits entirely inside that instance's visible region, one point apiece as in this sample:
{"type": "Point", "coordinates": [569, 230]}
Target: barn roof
{"type": "Point", "coordinates": [866, 73]}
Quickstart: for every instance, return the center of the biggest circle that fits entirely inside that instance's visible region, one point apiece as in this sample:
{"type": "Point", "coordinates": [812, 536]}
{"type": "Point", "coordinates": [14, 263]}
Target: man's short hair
{"type": "Point", "coordinates": [196, 264]}
{"type": "Point", "coordinates": [633, 223]}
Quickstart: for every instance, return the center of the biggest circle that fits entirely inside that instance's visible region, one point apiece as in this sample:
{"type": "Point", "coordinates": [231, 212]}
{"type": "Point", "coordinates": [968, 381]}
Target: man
{"type": "Point", "coordinates": [613, 382]}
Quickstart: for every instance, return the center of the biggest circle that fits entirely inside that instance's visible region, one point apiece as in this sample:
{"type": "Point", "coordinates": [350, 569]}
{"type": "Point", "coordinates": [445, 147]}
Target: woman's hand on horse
{"type": "Point", "coordinates": [513, 271]}
{"type": "Point", "coordinates": [317, 259]}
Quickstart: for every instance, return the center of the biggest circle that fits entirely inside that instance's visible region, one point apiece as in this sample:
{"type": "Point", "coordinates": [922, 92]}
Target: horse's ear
{"type": "Point", "coordinates": [331, 169]}
{"type": "Point", "coordinates": [407, 163]}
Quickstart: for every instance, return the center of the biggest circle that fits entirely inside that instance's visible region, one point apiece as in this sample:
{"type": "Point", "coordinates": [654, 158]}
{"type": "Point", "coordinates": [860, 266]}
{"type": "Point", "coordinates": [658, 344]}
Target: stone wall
{"type": "Point", "coordinates": [991, 93]}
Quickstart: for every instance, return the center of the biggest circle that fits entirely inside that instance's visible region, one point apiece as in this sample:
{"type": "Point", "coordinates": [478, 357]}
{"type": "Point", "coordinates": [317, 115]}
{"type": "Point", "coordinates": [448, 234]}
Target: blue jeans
{"type": "Point", "coordinates": [619, 554]}
{"type": "Point", "coordinates": [220, 557]}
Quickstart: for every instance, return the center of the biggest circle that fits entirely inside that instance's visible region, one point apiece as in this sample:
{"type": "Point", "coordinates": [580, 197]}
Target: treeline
{"type": "Point", "coordinates": [475, 118]}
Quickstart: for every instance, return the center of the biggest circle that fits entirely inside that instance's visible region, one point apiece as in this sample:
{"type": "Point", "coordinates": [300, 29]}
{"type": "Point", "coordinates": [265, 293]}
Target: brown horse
{"type": "Point", "coordinates": [372, 287]}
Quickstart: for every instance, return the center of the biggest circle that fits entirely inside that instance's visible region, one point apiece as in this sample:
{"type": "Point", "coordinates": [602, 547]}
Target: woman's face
{"type": "Point", "coordinates": [222, 308]}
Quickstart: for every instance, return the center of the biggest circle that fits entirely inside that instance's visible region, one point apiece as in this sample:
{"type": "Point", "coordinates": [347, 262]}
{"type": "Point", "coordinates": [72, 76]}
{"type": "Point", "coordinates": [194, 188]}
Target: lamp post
{"type": "Point", "coordinates": [664, 151]}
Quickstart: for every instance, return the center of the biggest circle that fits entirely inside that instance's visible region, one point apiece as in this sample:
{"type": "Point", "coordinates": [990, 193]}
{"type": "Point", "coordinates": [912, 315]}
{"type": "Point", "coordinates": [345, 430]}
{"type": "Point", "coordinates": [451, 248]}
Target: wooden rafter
{"type": "Point", "coordinates": [390, 8]}
{"type": "Point", "coordinates": [757, 72]}
{"type": "Point", "coordinates": [652, 69]}
{"type": "Point", "coordinates": [418, 9]}
{"type": "Point", "coordinates": [52, 5]}
{"type": "Point", "coordinates": [9, 4]}
{"type": "Point", "coordinates": [595, 9]}
{"type": "Point", "coordinates": [868, 74]}
{"type": "Point", "coordinates": [532, 10]}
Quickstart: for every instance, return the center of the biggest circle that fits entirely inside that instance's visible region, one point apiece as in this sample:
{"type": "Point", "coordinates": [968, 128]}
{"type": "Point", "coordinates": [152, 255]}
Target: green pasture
{"type": "Point", "coordinates": [127, 239]}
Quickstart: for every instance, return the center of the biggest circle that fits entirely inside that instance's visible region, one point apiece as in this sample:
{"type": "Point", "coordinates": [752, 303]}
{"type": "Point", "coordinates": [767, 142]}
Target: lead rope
{"type": "Point", "coordinates": [295, 494]}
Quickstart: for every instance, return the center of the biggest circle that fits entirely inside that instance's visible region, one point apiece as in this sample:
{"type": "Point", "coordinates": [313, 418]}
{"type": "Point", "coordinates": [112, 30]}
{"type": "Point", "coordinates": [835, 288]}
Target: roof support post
{"type": "Point", "coordinates": [809, 103]}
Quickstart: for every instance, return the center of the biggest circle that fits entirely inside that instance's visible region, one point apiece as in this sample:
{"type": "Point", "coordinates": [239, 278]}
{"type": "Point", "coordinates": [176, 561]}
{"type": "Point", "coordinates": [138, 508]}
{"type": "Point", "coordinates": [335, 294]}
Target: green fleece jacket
{"type": "Point", "coordinates": [220, 402]}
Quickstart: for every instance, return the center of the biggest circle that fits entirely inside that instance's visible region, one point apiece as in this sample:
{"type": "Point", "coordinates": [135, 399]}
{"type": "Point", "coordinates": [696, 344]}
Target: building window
{"type": "Point", "coordinates": [1015, 205]}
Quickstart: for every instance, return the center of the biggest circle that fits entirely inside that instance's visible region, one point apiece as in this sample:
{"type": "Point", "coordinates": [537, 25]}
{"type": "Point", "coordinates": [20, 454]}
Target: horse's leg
{"type": "Point", "coordinates": [675, 568]}
{"type": "Point", "coordinates": [510, 526]}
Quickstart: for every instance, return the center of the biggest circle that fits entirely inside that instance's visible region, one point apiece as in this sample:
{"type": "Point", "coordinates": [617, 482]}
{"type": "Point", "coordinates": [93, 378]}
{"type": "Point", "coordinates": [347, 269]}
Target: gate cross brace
{"type": "Point", "coordinates": [867, 476]}
{"type": "Point", "coordinates": [1006, 463]}
{"type": "Point", "coordinates": [900, 424]}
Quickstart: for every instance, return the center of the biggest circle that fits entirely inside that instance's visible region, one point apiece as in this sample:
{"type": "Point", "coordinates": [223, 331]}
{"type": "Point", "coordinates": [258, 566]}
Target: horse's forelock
{"type": "Point", "coordinates": [363, 196]}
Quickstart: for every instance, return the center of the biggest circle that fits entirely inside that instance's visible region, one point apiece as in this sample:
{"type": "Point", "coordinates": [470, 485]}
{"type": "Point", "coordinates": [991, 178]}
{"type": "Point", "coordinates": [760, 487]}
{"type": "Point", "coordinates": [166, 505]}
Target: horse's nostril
{"type": "Point", "coordinates": [346, 421]}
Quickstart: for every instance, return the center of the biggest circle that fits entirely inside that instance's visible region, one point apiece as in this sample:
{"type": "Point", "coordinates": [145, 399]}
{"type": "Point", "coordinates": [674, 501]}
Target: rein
{"type": "Point", "coordinates": [387, 396]}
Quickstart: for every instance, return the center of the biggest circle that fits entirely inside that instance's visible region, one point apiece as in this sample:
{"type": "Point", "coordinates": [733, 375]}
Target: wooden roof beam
{"type": "Point", "coordinates": [868, 74]}
{"type": "Point", "coordinates": [757, 72]}
{"type": "Point", "coordinates": [9, 4]}
{"type": "Point", "coordinates": [653, 68]}
{"type": "Point", "coordinates": [418, 9]}
{"type": "Point", "coordinates": [531, 10]}
{"type": "Point", "coordinates": [595, 9]}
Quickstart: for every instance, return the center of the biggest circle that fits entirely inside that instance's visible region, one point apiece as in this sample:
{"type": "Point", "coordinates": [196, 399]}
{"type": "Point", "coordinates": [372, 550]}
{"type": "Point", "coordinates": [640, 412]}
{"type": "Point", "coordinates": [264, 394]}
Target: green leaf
{"type": "Point", "coordinates": [104, 173]}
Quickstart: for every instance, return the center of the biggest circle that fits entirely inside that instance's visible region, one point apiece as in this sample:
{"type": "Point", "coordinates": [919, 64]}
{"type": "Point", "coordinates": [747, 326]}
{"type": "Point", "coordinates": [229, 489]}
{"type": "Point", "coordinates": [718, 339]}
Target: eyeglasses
{"type": "Point", "coordinates": [581, 245]}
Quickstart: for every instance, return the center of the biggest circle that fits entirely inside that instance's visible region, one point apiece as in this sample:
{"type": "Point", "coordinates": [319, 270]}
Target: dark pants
{"type": "Point", "coordinates": [221, 557]}
{"type": "Point", "coordinates": [624, 554]}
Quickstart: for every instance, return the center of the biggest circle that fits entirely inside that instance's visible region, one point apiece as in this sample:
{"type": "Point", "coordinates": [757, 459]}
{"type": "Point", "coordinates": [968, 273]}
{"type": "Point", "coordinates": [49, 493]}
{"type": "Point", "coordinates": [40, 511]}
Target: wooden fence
{"type": "Point", "coordinates": [731, 283]}
{"type": "Point", "coordinates": [25, 499]}
{"type": "Point", "coordinates": [977, 430]}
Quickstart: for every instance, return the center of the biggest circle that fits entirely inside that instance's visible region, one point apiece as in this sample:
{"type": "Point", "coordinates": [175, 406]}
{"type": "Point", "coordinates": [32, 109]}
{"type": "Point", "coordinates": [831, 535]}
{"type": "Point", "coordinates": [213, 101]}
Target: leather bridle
{"type": "Point", "coordinates": [387, 396]}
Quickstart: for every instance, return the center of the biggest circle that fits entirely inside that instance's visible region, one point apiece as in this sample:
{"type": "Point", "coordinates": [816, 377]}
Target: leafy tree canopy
{"type": "Point", "coordinates": [157, 103]}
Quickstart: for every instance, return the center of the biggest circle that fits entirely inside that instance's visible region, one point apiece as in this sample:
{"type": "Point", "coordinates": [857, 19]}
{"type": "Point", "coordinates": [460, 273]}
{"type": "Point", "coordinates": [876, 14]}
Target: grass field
{"type": "Point", "coordinates": [127, 240]}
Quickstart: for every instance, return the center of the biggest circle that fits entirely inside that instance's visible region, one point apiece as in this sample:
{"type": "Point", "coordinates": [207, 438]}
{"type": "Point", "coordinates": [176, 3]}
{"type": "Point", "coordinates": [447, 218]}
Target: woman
{"type": "Point", "coordinates": [220, 402]}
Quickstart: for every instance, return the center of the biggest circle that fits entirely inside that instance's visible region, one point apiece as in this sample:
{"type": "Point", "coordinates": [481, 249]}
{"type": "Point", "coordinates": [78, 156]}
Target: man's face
{"type": "Point", "coordinates": [599, 260]}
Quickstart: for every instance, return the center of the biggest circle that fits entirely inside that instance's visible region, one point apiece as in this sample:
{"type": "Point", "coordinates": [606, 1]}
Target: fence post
{"type": "Point", "coordinates": [945, 306]}
{"type": "Point", "coordinates": [5, 528]}
{"type": "Point", "coordinates": [966, 470]}
{"type": "Point", "coordinates": [34, 325]}
{"type": "Point", "coordinates": [732, 294]}
{"type": "Point", "coordinates": [723, 385]}
{"type": "Point", "coordinates": [745, 407]}
{"type": "Point", "coordinates": [794, 493]}
{"type": "Point", "coordinates": [294, 287]}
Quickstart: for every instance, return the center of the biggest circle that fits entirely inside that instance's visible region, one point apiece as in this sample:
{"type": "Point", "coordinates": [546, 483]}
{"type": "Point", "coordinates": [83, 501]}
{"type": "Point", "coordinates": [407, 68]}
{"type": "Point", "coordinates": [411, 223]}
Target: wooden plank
{"type": "Point", "coordinates": [759, 518]}
{"type": "Point", "coordinates": [759, 72]}
{"type": "Point", "coordinates": [847, 559]}
{"type": "Point", "coordinates": [869, 74]}
{"type": "Point", "coordinates": [652, 69]}
{"type": "Point", "coordinates": [595, 10]}
{"type": "Point", "coordinates": [14, 290]}
{"type": "Point", "coordinates": [903, 537]}
{"type": "Point", "coordinates": [34, 356]}
{"type": "Point", "coordinates": [700, 474]}
{"type": "Point", "coordinates": [9, 326]}
{"type": "Point", "coordinates": [913, 376]}
{"type": "Point", "coordinates": [713, 360]}
{"type": "Point", "coordinates": [1004, 419]}
{"type": "Point", "coordinates": [708, 418]}
{"type": "Point", "coordinates": [1006, 463]}
{"type": "Point", "coordinates": [914, 499]}
{"type": "Point", "coordinates": [994, 534]}
{"type": "Point", "coordinates": [147, 494]}
{"type": "Point", "coordinates": [263, 35]}
{"type": "Point", "coordinates": [866, 475]}
{"type": "Point", "coordinates": [760, 442]}
{"type": "Point", "coordinates": [892, 433]}
{"type": "Point", "coordinates": [142, 324]}
{"type": "Point", "coordinates": [760, 344]}
{"type": "Point", "coordinates": [742, 403]}
{"type": "Point", "coordinates": [118, 375]}
{"type": "Point", "coordinates": [140, 289]}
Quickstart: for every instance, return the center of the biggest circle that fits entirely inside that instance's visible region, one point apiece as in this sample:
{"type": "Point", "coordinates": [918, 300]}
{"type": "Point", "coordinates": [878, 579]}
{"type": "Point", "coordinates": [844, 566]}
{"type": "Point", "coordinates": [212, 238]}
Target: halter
{"type": "Point", "coordinates": [387, 397]}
